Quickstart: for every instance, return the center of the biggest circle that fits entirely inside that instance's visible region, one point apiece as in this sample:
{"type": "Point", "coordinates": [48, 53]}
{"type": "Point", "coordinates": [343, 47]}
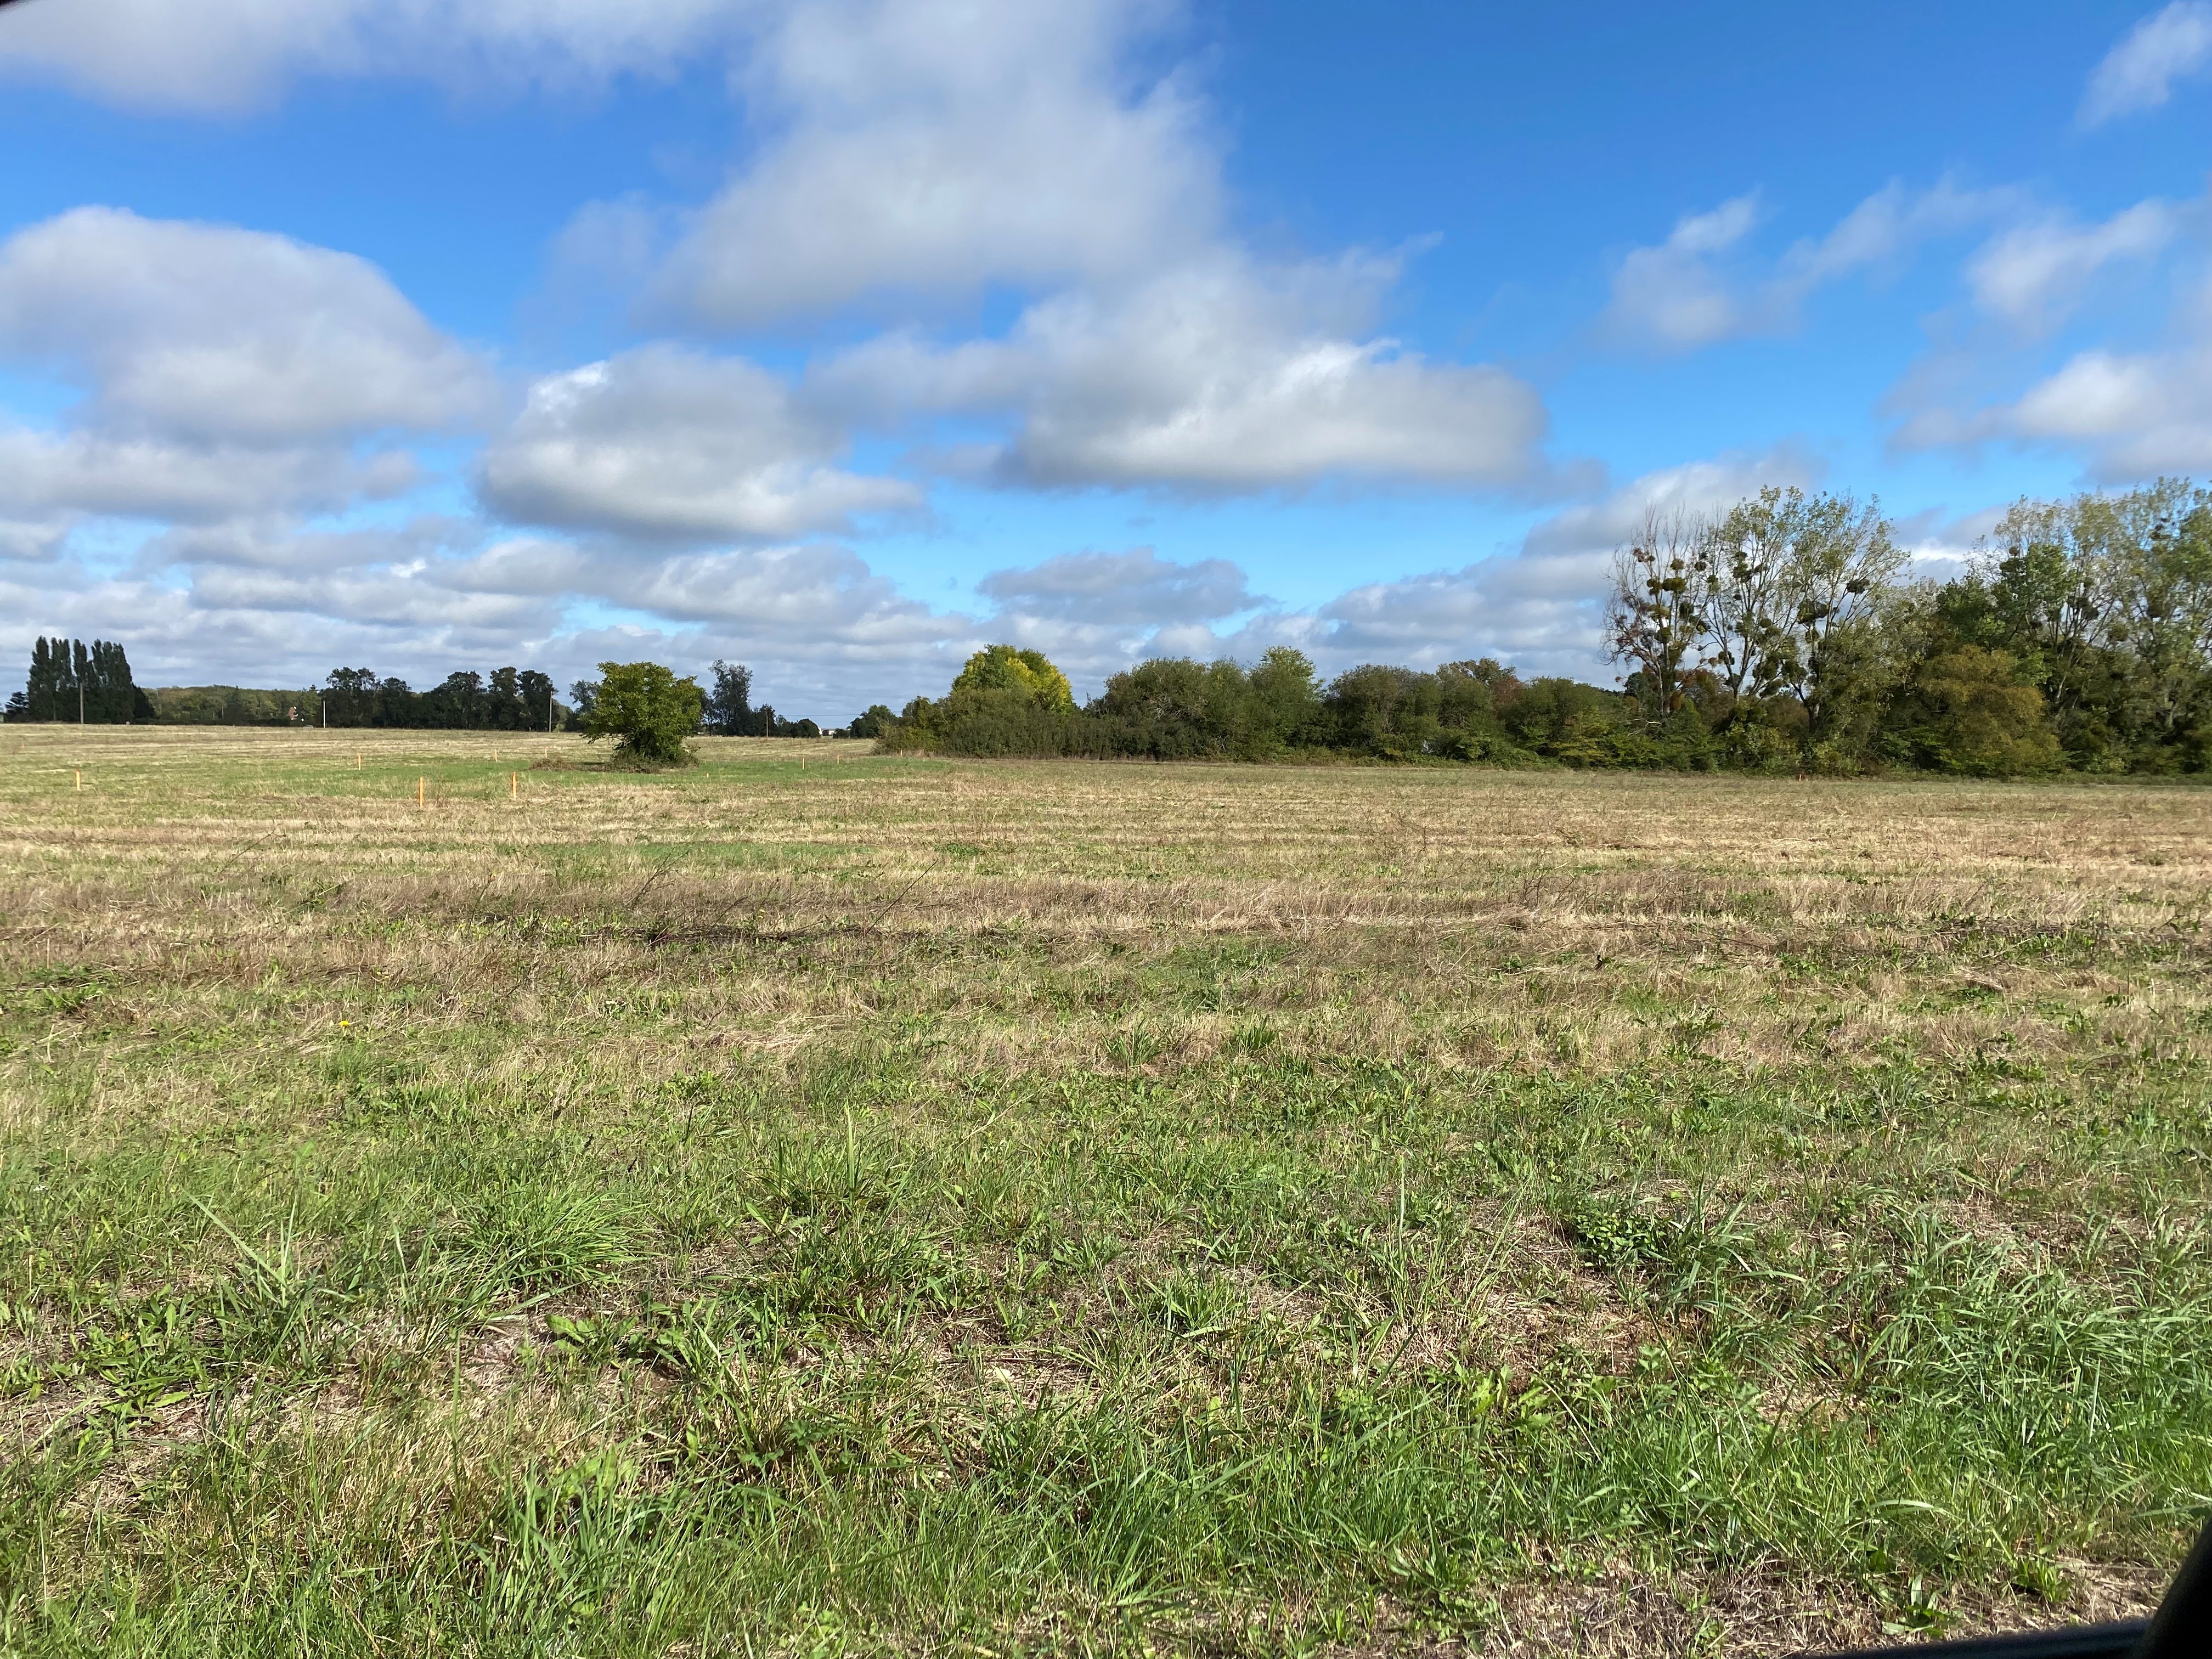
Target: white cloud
{"type": "Point", "coordinates": [933, 147]}
{"type": "Point", "coordinates": [2136, 414]}
{"type": "Point", "coordinates": [234, 384]}
{"type": "Point", "coordinates": [223, 371]}
{"type": "Point", "coordinates": [1671, 294]}
{"type": "Point", "coordinates": [271, 543]}
{"type": "Point", "coordinates": [271, 633]}
{"type": "Point", "coordinates": [231, 55]}
{"type": "Point", "coordinates": [211, 334]}
{"type": "Point", "coordinates": [1701, 286]}
{"type": "Point", "coordinates": [403, 596]}
{"type": "Point", "coordinates": [271, 602]}
{"type": "Point", "coordinates": [1217, 376]}
{"type": "Point", "coordinates": [1594, 529]}
{"type": "Point", "coordinates": [1120, 589]}
{"type": "Point", "coordinates": [824, 596]}
{"type": "Point", "coordinates": [2139, 73]}
{"type": "Point", "coordinates": [661, 442]}
{"type": "Point", "coordinates": [913, 148]}
{"type": "Point", "coordinates": [33, 541]}
{"type": "Point", "coordinates": [2032, 274]}
{"type": "Point", "coordinates": [127, 475]}
{"type": "Point", "coordinates": [2129, 411]}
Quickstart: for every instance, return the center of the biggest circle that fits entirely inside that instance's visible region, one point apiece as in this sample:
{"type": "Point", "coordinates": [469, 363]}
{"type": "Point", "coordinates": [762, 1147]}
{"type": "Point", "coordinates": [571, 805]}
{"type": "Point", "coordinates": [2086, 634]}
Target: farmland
{"type": "Point", "coordinates": [458, 1199]}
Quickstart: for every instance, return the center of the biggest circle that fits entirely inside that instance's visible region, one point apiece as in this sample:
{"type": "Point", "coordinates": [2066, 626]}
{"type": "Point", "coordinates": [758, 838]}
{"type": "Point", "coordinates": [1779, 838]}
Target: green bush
{"type": "Point", "coordinates": [648, 711]}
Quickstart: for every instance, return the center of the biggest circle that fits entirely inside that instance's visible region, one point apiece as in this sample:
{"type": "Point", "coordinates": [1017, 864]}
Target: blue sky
{"type": "Point", "coordinates": [843, 335]}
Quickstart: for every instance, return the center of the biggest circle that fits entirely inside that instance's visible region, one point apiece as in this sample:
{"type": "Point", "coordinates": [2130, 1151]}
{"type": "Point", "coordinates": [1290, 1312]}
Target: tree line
{"type": "Point", "coordinates": [504, 700]}
{"type": "Point", "coordinates": [68, 676]}
{"type": "Point", "coordinates": [1783, 633]}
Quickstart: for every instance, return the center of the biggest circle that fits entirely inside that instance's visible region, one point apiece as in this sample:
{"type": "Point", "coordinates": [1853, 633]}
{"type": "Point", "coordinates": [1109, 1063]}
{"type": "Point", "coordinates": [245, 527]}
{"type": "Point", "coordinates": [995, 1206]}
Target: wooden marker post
{"type": "Point", "coordinates": [419, 784]}
{"type": "Point", "coordinates": [80, 780]}
{"type": "Point", "coordinates": [514, 785]}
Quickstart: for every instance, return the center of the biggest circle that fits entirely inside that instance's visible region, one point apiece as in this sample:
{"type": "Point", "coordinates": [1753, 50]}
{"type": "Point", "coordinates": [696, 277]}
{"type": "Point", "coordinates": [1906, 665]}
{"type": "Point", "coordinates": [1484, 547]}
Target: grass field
{"type": "Point", "coordinates": [822, 1204]}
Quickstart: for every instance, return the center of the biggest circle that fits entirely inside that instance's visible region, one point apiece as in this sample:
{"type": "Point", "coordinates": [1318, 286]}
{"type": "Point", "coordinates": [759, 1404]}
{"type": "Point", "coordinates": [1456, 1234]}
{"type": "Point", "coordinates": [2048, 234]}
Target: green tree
{"type": "Point", "coordinates": [2106, 601]}
{"type": "Point", "coordinates": [648, 711]}
{"type": "Point", "coordinates": [72, 681]}
{"type": "Point", "coordinates": [1284, 709]}
{"type": "Point", "coordinates": [1386, 711]}
{"type": "Point", "coordinates": [1966, 710]}
{"type": "Point", "coordinates": [730, 712]}
{"type": "Point", "coordinates": [1169, 708]}
{"type": "Point", "coordinates": [1805, 578]}
{"type": "Point", "coordinates": [51, 694]}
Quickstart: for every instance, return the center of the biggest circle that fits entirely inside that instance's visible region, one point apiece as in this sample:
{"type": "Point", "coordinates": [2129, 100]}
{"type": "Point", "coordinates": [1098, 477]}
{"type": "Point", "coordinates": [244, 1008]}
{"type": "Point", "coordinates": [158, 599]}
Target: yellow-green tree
{"type": "Point", "coordinates": [1966, 710]}
{"type": "Point", "coordinates": [1009, 668]}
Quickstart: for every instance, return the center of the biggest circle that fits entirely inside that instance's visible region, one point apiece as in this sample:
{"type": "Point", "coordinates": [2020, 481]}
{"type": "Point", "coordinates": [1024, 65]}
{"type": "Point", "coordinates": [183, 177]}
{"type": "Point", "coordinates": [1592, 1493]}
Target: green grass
{"type": "Point", "coordinates": [894, 1207]}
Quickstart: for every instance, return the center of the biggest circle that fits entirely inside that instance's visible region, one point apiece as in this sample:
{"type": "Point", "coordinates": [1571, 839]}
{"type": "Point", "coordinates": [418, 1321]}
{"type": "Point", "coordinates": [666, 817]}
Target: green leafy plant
{"type": "Point", "coordinates": [648, 711]}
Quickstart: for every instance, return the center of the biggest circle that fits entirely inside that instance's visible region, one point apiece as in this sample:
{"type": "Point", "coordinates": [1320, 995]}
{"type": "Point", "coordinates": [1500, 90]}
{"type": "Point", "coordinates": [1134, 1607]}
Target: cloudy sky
{"type": "Point", "coordinates": [841, 336]}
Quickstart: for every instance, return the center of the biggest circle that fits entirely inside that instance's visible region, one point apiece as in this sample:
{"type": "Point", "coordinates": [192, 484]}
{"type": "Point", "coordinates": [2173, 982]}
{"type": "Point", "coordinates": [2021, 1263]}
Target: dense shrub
{"type": "Point", "coordinates": [648, 711]}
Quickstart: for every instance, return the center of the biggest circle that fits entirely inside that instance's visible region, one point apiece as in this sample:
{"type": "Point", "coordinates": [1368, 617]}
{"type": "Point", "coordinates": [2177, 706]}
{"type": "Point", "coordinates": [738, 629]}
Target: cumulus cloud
{"type": "Point", "coordinates": [395, 597]}
{"type": "Point", "coordinates": [662, 442]}
{"type": "Point", "coordinates": [223, 372]}
{"type": "Point", "coordinates": [223, 56]}
{"type": "Point", "coordinates": [209, 333]}
{"type": "Point", "coordinates": [235, 385]}
{"type": "Point", "coordinates": [934, 148]}
{"type": "Point", "coordinates": [2139, 73]}
{"type": "Point", "coordinates": [826, 595]}
{"type": "Point", "coordinates": [129, 476]}
{"type": "Point", "coordinates": [273, 632]}
{"type": "Point", "coordinates": [1220, 375]}
{"type": "Point", "coordinates": [909, 149]}
{"type": "Point", "coordinates": [2032, 274]}
{"type": "Point", "coordinates": [1594, 529]}
{"type": "Point", "coordinates": [1701, 286]}
{"type": "Point", "coordinates": [279, 602]}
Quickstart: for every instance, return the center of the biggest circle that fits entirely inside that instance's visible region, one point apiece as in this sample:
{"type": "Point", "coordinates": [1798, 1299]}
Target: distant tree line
{"type": "Point", "coordinates": [233, 705]}
{"type": "Point", "coordinates": [1780, 635]}
{"type": "Point", "coordinates": [72, 681]}
{"type": "Point", "coordinates": [505, 700]}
